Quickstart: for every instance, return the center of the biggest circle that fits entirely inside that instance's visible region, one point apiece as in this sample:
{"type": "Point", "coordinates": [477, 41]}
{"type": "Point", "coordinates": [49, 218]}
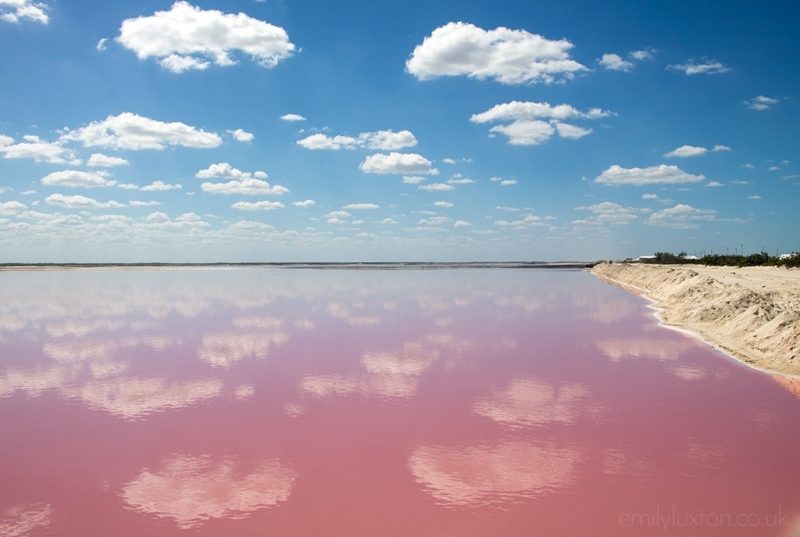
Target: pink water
{"type": "Point", "coordinates": [377, 403]}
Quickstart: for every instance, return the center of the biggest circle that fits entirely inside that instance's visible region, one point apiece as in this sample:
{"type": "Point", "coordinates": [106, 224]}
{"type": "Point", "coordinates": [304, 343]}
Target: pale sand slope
{"type": "Point", "coordinates": [752, 312]}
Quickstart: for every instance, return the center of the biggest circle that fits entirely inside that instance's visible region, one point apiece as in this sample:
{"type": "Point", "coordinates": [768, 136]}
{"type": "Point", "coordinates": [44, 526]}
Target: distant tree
{"type": "Point", "coordinates": [725, 260]}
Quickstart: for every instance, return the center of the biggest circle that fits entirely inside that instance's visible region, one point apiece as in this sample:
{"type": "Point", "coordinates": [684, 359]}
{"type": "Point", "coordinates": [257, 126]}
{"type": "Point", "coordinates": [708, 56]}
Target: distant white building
{"type": "Point", "coordinates": [691, 257]}
{"type": "Point", "coordinates": [645, 257]}
{"type": "Point", "coordinates": [783, 257]}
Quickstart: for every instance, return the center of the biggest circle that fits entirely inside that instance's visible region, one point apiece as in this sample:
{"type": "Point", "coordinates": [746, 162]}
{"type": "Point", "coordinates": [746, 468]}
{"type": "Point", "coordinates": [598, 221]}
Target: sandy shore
{"type": "Point", "coordinates": [752, 312]}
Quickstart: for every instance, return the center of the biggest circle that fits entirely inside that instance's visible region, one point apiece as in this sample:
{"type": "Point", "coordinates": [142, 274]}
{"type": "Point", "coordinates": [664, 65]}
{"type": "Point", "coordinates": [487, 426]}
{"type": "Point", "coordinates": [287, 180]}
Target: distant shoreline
{"type": "Point", "coordinates": [412, 265]}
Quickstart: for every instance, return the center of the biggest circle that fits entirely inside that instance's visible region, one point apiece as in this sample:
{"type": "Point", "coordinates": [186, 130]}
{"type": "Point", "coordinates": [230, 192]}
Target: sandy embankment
{"type": "Point", "coordinates": [752, 312]}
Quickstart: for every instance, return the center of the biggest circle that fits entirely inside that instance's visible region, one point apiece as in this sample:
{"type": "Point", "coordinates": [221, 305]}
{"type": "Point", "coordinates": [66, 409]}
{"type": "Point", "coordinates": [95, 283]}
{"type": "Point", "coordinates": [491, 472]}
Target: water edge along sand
{"type": "Point", "coordinates": [752, 313]}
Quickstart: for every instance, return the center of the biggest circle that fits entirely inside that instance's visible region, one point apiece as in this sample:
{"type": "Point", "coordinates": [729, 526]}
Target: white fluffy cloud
{"type": "Point", "coordinates": [19, 10]}
{"type": "Point", "coordinates": [437, 187]}
{"type": "Point", "coordinates": [399, 163]}
{"type": "Point", "coordinates": [761, 103]}
{"type": "Point", "coordinates": [615, 62]}
{"type": "Point", "coordinates": [706, 67]}
{"type": "Point", "coordinates": [257, 205]}
{"type": "Point", "coordinates": [337, 217]}
{"type": "Point", "coordinates": [130, 131]}
{"type": "Point", "coordinates": [640, 55]}
{"type": "Point", "coordinates": [459, 179]}
{"type": "Point", "coordinates": [518, 110]}
{"type": "Point", "coordinates": [241, 135]}
{"type": "Point", "coordinates": [361, 206]}
{"type": "Point", "coordinates": [179, 64]}
{"type": "Point", "coordinates": [535, 132]}
{"type": "Point", "coordinates": [80, 202]}
{"type": "Point", "coordinates": [76, 179]}
{"type": "Point", "coordinates": [247, 183]}
{"type": "Point", "coordinates": [248, 187]}
{"type": "Point", "coordinates": [304, 204]}
{"type": "Point", "coordinates": [442, 204]}
{"type": "Point", "coordinates": [686, 151]}
{"type": "Point", "coordinates": [189, 38]}
{"type": "Point", "coordinates": [8, 208]}
{"type": "Point", "coordinates": [607, 213]}
{"type": "Point", "coordinates": [223, 170]}
{"type": "Point", "coordinates": [99, 160]}
{"type": "Point", "coordinates": [157, 217]}
{"type": "Point", "coordinates": [36, 149]}
{"type": "Point", "coordinates": [337, 214]}
{"type": "Point", "coordinates": [525, 132]}
{"type": "Point", "coordinates": [681, 216]}
{"type": "Point", "coordinates": [528, 125]}
{"type": "Point", "coordinates": [292, 117]}
{"type": "Point", "coordinates": [435, 220]}
{"type": "Point", "coordinates": [321, 141]}
{"type": "Point", "coordinates": [663, 174]}
{"type": "Point", "coordinates": [385, 140]}
{"type": "Point", "coordinates": [413, 180]}
{"type": "Point", "coordinates": [160, 186]}
{"type": "Point", "coordinates": [529, 220]}
{"type": "Point", "coordinates": [186, 222]}
{"type": "Point", "coordinates": [571, 132]}
{"type": "Point", "coordinates": [506, 55]}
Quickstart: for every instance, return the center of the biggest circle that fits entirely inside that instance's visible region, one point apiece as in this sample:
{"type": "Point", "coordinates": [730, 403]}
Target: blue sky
{"type": "Point", "coordinates": [152, 131]}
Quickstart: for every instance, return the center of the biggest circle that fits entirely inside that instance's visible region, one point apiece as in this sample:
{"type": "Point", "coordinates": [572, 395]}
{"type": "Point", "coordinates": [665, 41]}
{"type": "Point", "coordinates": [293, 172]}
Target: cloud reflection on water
{"type": "Point", "coordinates": [224, 349]}
{"type": "Point", "coordinates": [493, 475]}
{"type": "Point", "coordinates": [137, 397]}
{"type": "Point", "coordinates": [528, 402]}
{"type": "Point", "coordinates": [659, 349]}
{"type": "Point", "coordinates": [192, 489]}
{"type": "Point", "coordinates": [23, 519]}
{"type": "Point", "coordinates": [387, 374]}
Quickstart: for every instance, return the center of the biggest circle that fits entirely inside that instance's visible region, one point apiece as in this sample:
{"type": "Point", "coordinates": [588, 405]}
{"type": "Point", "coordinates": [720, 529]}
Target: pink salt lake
{"type": "Point", "coordinates": [377, 403]}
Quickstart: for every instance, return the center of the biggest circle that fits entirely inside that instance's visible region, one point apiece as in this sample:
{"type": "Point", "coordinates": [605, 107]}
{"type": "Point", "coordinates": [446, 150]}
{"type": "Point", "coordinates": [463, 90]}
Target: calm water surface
{"type": "Point", "coordinates": [376, 403]}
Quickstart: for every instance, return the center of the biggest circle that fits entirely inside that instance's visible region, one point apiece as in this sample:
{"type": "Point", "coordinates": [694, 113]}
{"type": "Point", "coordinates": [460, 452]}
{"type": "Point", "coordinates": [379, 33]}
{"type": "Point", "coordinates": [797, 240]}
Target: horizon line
{"type": "Point", "coordinates": [298, 264]}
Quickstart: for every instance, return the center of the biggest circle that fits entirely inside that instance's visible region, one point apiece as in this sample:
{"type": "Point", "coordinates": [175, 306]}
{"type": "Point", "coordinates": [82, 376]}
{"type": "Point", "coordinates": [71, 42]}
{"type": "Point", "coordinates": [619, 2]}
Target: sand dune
{"type": "Point", "coordinates": [752, 312]}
